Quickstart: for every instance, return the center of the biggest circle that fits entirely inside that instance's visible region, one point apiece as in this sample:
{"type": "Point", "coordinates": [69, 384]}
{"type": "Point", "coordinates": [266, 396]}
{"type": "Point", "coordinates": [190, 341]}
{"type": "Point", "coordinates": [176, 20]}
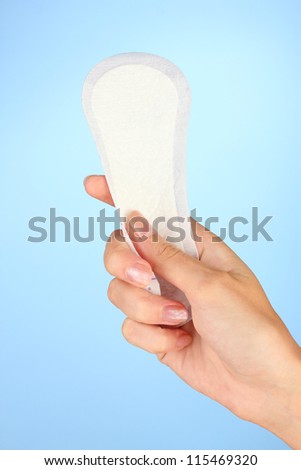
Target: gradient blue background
{"type": "Point", "coordinates": [68, 379]}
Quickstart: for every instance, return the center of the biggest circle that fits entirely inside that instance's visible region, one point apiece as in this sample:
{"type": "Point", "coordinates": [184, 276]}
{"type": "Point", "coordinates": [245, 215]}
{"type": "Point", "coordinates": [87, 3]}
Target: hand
{"type": "Point", "coordinates": [236, 350]}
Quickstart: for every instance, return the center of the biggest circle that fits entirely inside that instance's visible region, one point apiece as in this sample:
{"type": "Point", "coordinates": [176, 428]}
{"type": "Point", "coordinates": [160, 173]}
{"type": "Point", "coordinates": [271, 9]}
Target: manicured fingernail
{"type": "Point", "coordinates": [174, 314]}
{"type": "Point", "coordinates": [183, 341]}
{"type": "Point", "coordinates": [139, 274]}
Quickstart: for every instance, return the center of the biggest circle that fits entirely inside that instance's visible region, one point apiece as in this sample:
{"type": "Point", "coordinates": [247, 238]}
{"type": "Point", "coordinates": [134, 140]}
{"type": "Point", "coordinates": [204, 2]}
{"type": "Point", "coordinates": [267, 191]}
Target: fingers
{"type": "Point", "coordinates": [214, 253]}
{"type": "Point", "coordinates": [97, 186]}
{"type": "Point", "coordinates": [144, 309]}
{"type": "Point", "coordinates": [181, 270]}
{"type": "Point", "coordinates": [142, 306]}
{"type": "Point", "coordinates": [167, 261]}
{"type": "Point", "coordinates": [155, 339]}
{"type": "Point", "coordinates": [123, 263]}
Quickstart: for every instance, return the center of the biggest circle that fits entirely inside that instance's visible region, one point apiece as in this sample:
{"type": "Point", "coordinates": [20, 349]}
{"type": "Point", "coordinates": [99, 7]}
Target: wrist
{"type": "Point", "coordinates": [282, 414]}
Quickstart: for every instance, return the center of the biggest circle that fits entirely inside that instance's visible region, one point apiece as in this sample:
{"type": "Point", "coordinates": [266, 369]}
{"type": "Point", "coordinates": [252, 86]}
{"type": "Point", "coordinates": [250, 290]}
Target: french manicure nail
{"type": "Point", "coordinates": [174, 314]}
{"type": "Point", "coordinates": [139, 274]}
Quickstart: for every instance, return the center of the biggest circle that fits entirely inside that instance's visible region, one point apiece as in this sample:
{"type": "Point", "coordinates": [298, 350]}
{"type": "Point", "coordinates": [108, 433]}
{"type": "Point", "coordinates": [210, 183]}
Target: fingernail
{"type": "Point", "coordinates": [139, 273]}
{"type": "Point", "coordinates": [183, 341]}
{"type": "Point", "coordinates": [174, 314]}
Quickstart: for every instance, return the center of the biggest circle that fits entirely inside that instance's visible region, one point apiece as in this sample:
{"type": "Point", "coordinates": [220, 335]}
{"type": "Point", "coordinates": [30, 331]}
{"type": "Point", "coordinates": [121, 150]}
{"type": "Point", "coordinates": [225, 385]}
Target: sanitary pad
{"type": "Point", "coordinates": [137, 107]}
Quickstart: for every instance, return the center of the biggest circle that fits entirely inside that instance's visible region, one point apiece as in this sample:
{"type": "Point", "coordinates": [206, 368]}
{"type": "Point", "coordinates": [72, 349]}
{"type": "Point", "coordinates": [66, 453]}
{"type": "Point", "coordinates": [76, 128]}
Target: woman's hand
{"type": "Point", "coordinates": [236, 350]}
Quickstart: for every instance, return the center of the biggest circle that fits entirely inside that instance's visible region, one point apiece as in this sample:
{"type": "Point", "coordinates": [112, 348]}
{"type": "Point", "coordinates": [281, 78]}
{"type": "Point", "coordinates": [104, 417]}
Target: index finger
{"type": "Point", "coordinates": [97, 187]}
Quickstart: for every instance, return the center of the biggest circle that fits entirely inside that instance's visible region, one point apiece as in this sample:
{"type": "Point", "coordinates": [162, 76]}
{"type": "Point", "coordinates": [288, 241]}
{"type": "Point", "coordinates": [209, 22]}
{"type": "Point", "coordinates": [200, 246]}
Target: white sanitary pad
{"type": "Point", "coordinates": [137, 107]}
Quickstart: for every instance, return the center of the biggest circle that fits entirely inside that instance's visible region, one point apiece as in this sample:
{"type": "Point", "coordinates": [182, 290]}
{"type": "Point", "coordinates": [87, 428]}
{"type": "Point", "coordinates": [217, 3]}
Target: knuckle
{"type": "Point", "coordinates": [107, 259]}
{"type": "Point", "coordinates": [107, 254]}
{"type": "Point", "coordinates": [127, 329]}
{"type": "Point", "coordinates": [111, 238]}
{"type": "Point", "coordinates": [111, 292]}
{"type": "Point", "coordinates": [117, 235]}
{"type": "Point", "coordinates": [213, 285]}
{"type": "Point", "coordinates": [167, 251]}
{"type": "Point", "coordinates": [111, 258]}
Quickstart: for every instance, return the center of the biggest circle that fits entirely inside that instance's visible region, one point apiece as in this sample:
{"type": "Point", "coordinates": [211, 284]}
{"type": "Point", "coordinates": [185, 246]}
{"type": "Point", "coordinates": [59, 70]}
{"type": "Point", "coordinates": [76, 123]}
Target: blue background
{"type": "Point", "coordinates": [68, 379]}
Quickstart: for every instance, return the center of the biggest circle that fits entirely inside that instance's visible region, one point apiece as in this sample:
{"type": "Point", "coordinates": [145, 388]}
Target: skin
{"type": "Point", "coordinates": [236, 350]}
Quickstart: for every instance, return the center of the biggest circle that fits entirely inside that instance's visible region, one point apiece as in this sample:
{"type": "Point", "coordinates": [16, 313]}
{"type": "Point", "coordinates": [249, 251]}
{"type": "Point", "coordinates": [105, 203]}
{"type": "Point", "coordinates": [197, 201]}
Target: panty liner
{"type": "Point", "coordinates": [137, 107]}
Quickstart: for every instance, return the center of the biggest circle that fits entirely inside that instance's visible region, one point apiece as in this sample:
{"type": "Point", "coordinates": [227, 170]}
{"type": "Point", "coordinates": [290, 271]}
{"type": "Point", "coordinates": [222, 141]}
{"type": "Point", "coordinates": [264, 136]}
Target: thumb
{"type": "Point", "coordinates": [166, 259]}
